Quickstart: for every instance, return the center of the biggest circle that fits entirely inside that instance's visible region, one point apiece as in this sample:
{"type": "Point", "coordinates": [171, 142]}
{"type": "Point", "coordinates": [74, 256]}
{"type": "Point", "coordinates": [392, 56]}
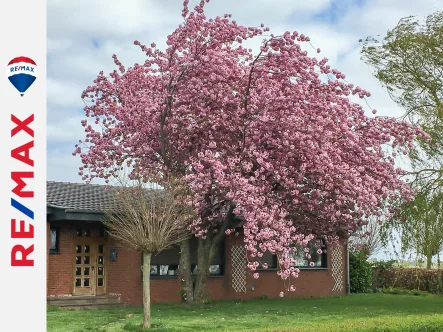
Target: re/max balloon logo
{"type": "Point", "coordinates": [22, 72]}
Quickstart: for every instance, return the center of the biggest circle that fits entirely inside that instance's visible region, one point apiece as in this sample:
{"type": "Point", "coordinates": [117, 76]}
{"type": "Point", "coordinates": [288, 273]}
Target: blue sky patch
{"type": "Point", "coordinates": [95, 43]}
{"type": "Point", "coordinates": [336, 9]}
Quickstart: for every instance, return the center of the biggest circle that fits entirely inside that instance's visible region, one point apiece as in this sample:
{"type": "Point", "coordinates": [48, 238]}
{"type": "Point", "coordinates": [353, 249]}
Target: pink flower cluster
{"type": "Point", "coordinates": [261, 135]}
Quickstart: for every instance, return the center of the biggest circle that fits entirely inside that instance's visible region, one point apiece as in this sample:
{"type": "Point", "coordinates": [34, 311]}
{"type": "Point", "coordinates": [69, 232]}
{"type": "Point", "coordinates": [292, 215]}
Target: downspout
{"type": "Point", "coordinates": [348, 284]}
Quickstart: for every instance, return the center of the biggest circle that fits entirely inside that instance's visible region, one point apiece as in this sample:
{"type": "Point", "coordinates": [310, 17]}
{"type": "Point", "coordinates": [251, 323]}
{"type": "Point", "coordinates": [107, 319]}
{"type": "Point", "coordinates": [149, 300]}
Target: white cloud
{"type": "Point", "coordinates": [63, 93]}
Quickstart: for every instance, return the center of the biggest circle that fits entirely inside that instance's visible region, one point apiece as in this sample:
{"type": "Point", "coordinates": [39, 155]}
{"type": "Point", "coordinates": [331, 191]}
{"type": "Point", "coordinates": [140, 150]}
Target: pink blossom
{"type": "Point", "coordinates": [309, 161]}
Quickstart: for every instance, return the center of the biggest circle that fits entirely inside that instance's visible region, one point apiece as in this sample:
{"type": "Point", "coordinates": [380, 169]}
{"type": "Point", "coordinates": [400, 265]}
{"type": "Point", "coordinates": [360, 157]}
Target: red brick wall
{"type": "Point", "coordinates": [61, 265]}
{"type": "Point", "coordinates": [125, 278]}
{"type": "Point", "coordinates": [124, 275]}
{"type": "Point", "coordinates": [311, 282]}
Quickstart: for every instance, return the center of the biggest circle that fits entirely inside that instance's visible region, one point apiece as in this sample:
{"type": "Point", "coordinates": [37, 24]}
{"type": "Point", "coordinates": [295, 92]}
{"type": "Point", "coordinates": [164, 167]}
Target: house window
{"type": "Point", "coordinates": [316, 260]}
{"type": "Point", "coordinates": [166, 263]}
{"type": "Point", "coordinates": [270, 262]}
{"type": "Point", "coordinates": [54, 240]}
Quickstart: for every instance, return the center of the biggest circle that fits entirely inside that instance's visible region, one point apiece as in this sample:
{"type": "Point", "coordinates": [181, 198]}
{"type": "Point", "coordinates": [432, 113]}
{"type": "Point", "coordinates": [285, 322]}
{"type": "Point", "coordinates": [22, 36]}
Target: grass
{"type": "Point", "coordinates": [365, 312]}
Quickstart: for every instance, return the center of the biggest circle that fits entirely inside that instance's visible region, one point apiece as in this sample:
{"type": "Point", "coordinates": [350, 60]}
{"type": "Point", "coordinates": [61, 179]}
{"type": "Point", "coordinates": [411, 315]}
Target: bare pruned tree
{"type": "Point", "coordinates": [150, 219]}
{"type": "Point", "coordinates": [368, 238]}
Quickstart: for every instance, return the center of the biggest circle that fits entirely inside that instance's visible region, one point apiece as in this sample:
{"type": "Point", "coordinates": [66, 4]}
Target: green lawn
{"type": "Point", "coordinates": [366, 312]}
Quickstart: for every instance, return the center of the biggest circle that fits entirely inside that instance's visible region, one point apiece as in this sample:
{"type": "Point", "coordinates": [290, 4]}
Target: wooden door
{"type": "Point", "coordinates": [90, 263]}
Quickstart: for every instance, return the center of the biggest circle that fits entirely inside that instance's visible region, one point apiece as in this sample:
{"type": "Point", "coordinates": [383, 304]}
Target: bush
{"type": "Point", "coordinates": [412, 279]}
{"type": "Point", "coordinates": [383, 264]}
{"type": "Point", "coordinates": [360, 273]}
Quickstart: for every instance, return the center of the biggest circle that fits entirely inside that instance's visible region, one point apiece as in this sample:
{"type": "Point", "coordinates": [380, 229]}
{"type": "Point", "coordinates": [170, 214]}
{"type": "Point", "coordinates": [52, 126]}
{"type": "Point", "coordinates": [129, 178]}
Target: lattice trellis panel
{"type": "Point", "coordinates": [238, 261]}
{"type": "Point", "coordinates": [337, 268]}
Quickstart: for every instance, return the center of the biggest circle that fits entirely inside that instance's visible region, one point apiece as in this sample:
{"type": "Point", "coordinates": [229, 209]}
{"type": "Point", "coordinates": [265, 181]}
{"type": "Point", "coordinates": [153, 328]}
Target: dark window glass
{"type": "Point", "coordinates": [53, 240]}
{"type": "Point", "coordinates": [313, 256]}
{"type": "Point", "coordinates": [166, 263]}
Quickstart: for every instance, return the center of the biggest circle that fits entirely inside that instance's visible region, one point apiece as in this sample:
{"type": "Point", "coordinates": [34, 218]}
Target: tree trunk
{"type": "Point", "coordinates": [440, 288]}
{"type": "Point", "coordinates": [206, 251]}
{"type": "Point", "coordinates": [146, 290]}
{"type": "Point", "coordinates": [203, 263]}
{"type": "Point", "coordinates": [429, 261]}
{"type": "Point", "coordinates": [185, 273]}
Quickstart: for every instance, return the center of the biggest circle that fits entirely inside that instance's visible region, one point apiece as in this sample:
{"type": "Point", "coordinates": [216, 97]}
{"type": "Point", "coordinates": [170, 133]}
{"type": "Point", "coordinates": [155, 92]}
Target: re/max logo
{"type": "Point", "coordinates": [22, 68]}
{"type": "Point", "coordinates": [22, 154]}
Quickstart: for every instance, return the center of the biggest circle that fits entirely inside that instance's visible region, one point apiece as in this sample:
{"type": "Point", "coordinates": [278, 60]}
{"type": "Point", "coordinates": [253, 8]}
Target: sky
{"type": "Point", "coordinates": [83, 35]}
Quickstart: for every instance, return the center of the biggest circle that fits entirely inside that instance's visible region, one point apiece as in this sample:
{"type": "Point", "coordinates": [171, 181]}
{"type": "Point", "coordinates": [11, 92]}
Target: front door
{"type": "Point", "coordinates": [90, 263]}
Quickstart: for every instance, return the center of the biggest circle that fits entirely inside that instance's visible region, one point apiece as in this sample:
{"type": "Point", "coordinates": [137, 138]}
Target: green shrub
{"type": "Point", "coordinates": [408, 278]}
{"type": "Point", "coordinates": [383, 265]}
{"type": "Point", "coordinates": [360, 273]}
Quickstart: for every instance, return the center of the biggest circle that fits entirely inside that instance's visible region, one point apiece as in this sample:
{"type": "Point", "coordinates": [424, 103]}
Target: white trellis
{"type": "Point", "coordinates": [238, 260]}
{"type": "Point", "coordinates": [337, 268]}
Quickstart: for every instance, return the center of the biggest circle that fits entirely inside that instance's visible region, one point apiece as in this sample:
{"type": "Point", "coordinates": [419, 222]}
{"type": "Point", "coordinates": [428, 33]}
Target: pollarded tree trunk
{"type": "Point", "coordinates": [146, 289]}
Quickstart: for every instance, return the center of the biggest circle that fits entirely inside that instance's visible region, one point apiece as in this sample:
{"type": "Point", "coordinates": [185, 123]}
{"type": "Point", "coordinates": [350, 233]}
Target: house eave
{"type": "Point", "coordinates": [58, 213]}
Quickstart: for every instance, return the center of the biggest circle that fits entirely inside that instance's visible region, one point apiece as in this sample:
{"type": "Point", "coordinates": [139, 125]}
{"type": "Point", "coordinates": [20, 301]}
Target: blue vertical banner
{"type": "Point", "coordinates": [23, 232]}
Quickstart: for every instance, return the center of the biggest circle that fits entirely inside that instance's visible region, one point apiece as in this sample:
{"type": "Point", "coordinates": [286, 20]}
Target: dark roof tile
{"type": "Point", "coordinates": [79, 196]}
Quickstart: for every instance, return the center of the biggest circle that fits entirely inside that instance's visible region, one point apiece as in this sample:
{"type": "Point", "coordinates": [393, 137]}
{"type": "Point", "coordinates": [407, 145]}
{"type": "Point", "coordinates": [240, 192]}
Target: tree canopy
{"type": "Point", "coordinates": [271, 135]}
{"type": "Point", "coordinates": [408, 61]}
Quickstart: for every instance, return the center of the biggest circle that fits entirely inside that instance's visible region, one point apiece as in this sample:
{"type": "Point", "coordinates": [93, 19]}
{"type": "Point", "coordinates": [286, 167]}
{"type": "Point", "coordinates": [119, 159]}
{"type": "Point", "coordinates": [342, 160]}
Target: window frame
{"type": "Point", "coordinates": [324, 262]}
{"type": "Point", "coordinates": [175, 275]}
{"type": "Point", "coordinates": [57, 240]}
{"type": "Point", "coordinates": [221, 265]}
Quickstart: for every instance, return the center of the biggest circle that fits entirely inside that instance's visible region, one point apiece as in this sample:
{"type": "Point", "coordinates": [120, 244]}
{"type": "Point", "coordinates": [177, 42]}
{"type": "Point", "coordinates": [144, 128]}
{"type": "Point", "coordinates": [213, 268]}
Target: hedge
{"type": "Point", "coordinates": [408, 278]}
{"type": "Point", "coordinates": [360, 272]}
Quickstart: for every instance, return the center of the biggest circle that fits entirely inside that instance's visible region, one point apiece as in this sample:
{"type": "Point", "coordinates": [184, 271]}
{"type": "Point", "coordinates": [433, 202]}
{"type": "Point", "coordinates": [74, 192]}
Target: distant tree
{"type": "Point", "coordinates": [408, 61]}
{"type": "Point", "coordinates": [368, 238]}
{"type": "Point", "coordinates": [420, 225]}
{"type": "Point", "coordinates": [149, 220]}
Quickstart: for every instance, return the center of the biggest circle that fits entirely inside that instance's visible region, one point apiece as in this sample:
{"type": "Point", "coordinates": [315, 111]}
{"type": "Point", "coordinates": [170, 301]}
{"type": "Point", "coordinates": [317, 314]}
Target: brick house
{"type": "Point", "coordinates": [83, 261]}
